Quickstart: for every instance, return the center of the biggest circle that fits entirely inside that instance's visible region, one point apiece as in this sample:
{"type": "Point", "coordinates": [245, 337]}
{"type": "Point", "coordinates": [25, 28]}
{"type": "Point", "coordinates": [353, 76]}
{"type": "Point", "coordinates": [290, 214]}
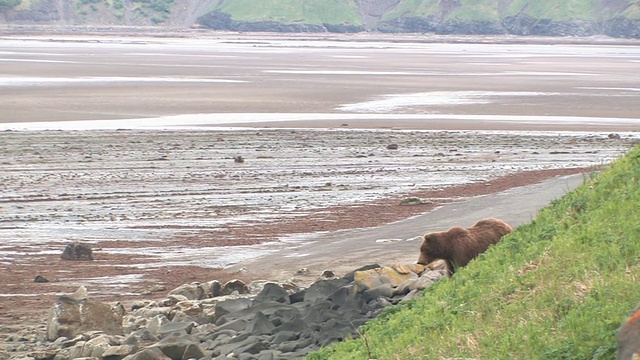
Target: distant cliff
{"type": "Point", "coordinates": [616, 18]}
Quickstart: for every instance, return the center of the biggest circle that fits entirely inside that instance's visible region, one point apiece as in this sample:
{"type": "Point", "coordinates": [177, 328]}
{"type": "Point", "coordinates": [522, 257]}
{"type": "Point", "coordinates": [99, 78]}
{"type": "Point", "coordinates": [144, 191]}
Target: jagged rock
{"type": "Point", "coordinates": [92, 348]}
{"type": "Point", "coordinates": [40, 279]}
{"type": "Point", "coordinates": [373, 278]}
{"type": "Point", "coordinates": [272, 324]}
{"type": "Point", "coordinates": [235, 286]}
{"type": "Point", "coordinates": [253, 345]}
{"type": "Point", "coordinates": [417, 269]}
{"type": "Point", "coordinates": [173, 299]}
{"type": "Point", "coordinates": [427, 279]}
{"type": "Point", "coordinates": [437, 265]}
{"type": "Point", "coordinates": [148, 354]}
{"type": "Point", "coordinates": [77, 251]}
{"type": "Point", "coordinates": [273, 292]}
{"type": "Point", "coordinates": [292, 346]}
{"type": "Point", "coordinates": [351, 276]}
{"type": "Point", "coordinates": [230, 306]}
{"type": "Point", "coordinates": [75, 314]}
{"type": "Point", "coordinates": [260, 325]}
{"type": "Point", "coordinates": [149, 312]}
{"type": "Point", "coordinates": [283, 336]}
{"type": "Point", "coordinates": [296, 326]}
{"type": "Point", "coordinates": [213, 288]}
{"type": "Point", "coordinates": [186, 308]}
{"type": "Point", "coordinates": [175, 327]}
{"type": "Point", "coordinates": [139, 304]}
{"type": "Point", "coordinates": [180, 346]}
{"type": "Point", "coordinates": [119, 352]}
{"type": "Point", "coordinates": [142, 336]}
{"type": "Point", "coordinates": [193, 291]}
{"type": "Point", "coordinates": [384, 290]}
{"type": "Point", "coordinates": [405, 287]}
{"type": "Point", "coordinates": [322, 289]}
{"type": "Point", "coordinates": [156, 323]}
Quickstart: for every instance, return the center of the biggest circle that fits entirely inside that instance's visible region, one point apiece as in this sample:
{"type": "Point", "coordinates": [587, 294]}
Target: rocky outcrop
{"type": "Point", "coordinates": [409, 25]}
{"type": "Point", "coordinates": [622, 28]}
{"type": "Point", "coordinates": [271, 321]}
{"type": "Point", "coordinates": [523, 24]}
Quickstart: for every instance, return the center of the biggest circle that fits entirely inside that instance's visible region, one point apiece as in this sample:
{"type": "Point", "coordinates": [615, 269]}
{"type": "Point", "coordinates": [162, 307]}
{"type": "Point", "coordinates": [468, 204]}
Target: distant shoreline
{"type": "Point", "coordinates": [38, 31]}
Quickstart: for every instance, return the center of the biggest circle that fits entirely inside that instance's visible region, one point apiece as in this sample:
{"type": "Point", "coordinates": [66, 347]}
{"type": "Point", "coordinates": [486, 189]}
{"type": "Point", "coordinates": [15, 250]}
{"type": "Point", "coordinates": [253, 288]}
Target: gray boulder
{"type": "Point", "coordinates": [148, 354]}
{"type": "Point", "coordinates": [180, 346]}
{"type": "Point", "coordinates": [235, 286]}
{"type": "Point", "coordinates": [193, 291]}
{"type": "Point", "coordinates": [260, 325]}
{"type": "Point", "coordinates": [273, 292]}
{"type": "Point", "coordinates": [213, 288]}
{"type": "Point", "coordinates": [77, 251]}
{"type": "Point", "coordinates": [74, 314]}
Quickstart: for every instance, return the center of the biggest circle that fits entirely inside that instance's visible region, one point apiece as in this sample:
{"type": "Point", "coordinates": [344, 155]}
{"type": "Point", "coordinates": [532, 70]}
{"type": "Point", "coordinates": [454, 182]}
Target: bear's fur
{"type": "Point", "coordinates": [457, 246]}
{"type": "Point", "coordinates": [629, 338]}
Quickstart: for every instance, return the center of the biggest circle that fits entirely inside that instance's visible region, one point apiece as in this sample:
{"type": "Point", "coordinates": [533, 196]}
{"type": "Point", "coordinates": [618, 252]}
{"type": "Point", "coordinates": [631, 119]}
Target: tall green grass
{"type": "Point", "coordinates": [413, 8]}
{"type": "Point", "coordinates": [293, 11]}
{"type": "Point", "coordinates": [557, 288]}
{"type": "Point", "coordinates": [556, 10]}
{"type": "Point", "coordinates": [485, 10]}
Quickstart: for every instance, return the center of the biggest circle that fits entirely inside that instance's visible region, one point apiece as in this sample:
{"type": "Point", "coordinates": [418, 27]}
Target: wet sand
{"type": "Point", "coordinates": [220, 76]}
{"type": "Point", "coordinates": [144, 170]}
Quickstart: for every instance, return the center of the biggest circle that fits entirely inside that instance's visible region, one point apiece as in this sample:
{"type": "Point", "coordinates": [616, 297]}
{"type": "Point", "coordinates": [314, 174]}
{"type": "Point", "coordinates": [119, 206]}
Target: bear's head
{"type": "Point", "coordinates": [441, 244]}
{"type": "Point", "coordinates": [429, 248]}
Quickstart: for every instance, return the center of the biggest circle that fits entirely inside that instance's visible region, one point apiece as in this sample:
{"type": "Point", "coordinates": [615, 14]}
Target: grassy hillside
{"type": "Point", "coordinates": [556, 10]}
{"type": "Point", "coordinates": [486, 10]}
{"type": "Point", "coordinates": [492, 10]}
{"type": "Point", "coordinates": [293, 11]}
{"type": "Point", "coordinates": [414, 8]}
{"type": "Point", "coordinates": [617, 18]}
{"type": "Point", "coordinates": [557, 288]}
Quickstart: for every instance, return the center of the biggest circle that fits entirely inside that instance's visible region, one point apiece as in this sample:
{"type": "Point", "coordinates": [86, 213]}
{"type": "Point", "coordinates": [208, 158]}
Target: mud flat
{"type": "Point", "coordinates": [162, 208]}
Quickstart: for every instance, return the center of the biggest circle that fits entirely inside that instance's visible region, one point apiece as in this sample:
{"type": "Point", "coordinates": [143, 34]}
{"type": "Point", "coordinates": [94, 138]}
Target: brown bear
{"type": "Point", "coordinates": [629, 338]}
{"type": "Point", "coordinates": [457, 246]}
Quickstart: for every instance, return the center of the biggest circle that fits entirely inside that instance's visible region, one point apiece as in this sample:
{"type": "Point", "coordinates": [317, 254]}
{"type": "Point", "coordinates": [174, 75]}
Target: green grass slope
{"type": "Point", "coordinates": [313, 12]}
{"type": "Point", "coordinates": [413, 8]}
{"type": "Point", "coordinates": [491, 10]}
{"type": "Point", "coordinates": [557, 288]}
{"type": "Point", "coordinates": [557, 10]}
{"type": "Point", "coordinates": [348, 11]}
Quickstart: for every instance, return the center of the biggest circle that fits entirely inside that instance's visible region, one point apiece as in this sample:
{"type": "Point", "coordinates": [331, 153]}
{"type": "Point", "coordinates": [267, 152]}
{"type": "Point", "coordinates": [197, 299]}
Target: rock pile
{"type": "Point", "coordinates": [261, 320]}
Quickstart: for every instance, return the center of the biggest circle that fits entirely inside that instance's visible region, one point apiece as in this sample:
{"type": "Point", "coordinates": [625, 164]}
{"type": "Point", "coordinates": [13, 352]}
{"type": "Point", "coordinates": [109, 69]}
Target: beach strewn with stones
{"type": "Point", "coordinates": [165, 208]}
